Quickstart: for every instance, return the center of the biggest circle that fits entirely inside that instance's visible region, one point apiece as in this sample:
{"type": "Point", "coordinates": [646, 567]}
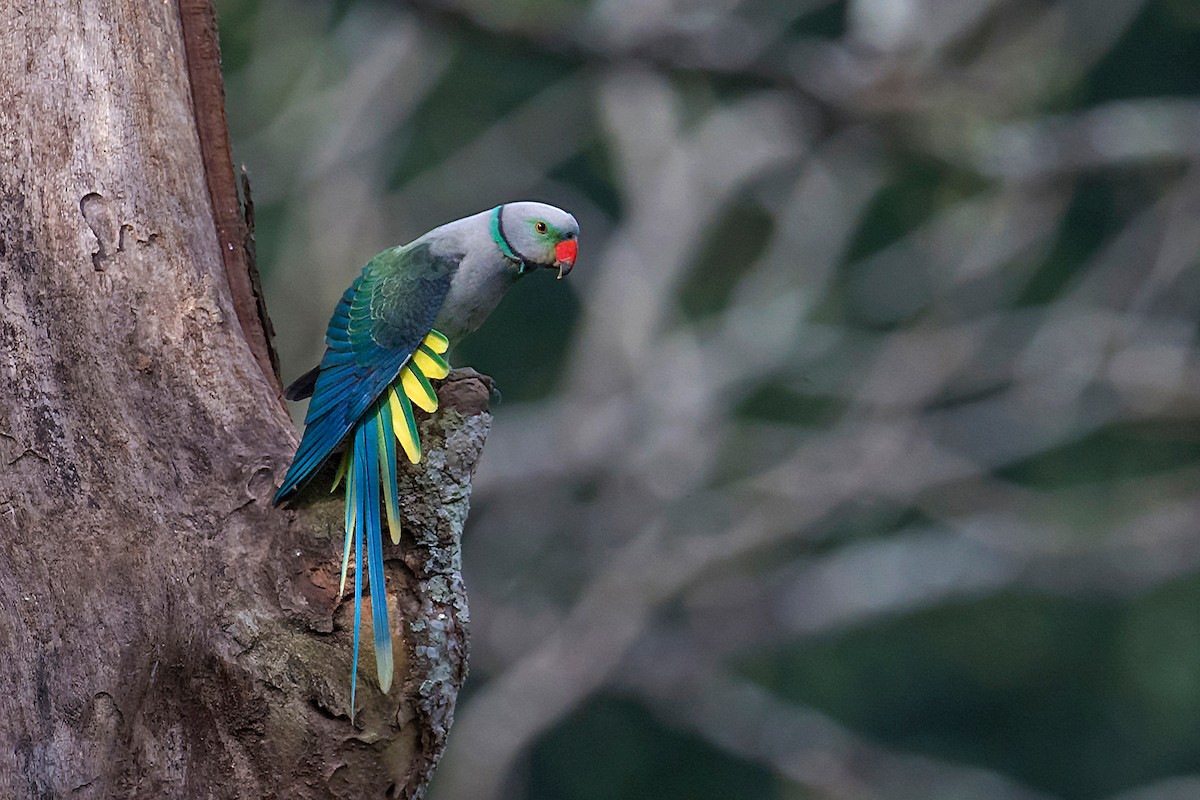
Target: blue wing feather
{"type": "Point", "coordinates": [380, 320]}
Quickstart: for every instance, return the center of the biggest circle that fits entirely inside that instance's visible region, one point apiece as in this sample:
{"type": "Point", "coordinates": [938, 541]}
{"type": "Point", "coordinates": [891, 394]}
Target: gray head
{"type": "Point", "coordinates": [536, 235]}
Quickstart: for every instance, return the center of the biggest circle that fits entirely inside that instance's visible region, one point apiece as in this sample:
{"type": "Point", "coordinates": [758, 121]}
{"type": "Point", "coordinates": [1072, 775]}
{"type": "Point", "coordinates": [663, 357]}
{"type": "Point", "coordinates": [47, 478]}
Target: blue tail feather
{"type": "Point", "coordinates": [353, 482]}
{"type": "Point", "coordinates": [374, 532]}
{"type": "Point", "coordinates": [363, 512]}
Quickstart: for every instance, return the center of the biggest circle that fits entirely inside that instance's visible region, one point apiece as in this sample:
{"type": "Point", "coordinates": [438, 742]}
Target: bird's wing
{"type": "Point", "coordinates": [380, 322]}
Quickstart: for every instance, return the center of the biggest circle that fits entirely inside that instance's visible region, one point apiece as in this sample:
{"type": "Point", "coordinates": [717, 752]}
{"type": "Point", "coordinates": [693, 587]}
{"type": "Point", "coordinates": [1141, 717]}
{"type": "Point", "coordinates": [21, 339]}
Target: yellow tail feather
{"type": "Point", "coordinates": [401, 423]}
{"type": "Point", "coordinates": [418, 391]}
{"type": "Point", "coordinates": [351, 520]}
{"type": "Point", "coordinates": [389, 480]}
{"type": "Point", "coordinates": [436, 342]}
{"type": "Point", "coordinates": [430, 363]}
{"type": "Point", "coordinates": [343, 465]}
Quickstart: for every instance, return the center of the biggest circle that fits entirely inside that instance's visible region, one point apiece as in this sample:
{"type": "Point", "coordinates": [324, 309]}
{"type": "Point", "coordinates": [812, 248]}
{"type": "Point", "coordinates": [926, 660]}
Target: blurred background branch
{"type": "Point", "coordinates": [859, 457]}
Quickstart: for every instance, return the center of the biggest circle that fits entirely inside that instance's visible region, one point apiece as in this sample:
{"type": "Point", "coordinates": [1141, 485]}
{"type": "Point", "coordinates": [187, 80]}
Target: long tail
{"type": "Point", "coordinates": [369, 465]}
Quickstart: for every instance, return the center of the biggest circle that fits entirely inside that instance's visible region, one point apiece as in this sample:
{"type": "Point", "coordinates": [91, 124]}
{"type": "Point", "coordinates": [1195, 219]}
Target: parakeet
{"type": "Point", "coordinates": [385, 342]}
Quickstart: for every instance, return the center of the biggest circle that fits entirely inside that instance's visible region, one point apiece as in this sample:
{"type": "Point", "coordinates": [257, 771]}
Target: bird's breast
{"type": "Point", "coordinates": [475, 291]}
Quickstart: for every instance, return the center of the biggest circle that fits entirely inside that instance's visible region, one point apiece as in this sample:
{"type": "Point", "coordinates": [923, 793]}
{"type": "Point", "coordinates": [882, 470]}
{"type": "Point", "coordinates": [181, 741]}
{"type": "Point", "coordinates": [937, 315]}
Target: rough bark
{"type": "Point", "coordinates": [167, 632]}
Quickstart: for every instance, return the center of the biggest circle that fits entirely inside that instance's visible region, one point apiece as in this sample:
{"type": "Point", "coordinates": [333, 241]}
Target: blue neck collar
{"type": "Point", "coordinates": [502, 241]}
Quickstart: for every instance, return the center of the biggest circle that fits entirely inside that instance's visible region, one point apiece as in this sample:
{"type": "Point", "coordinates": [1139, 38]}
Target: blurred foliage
{"type": "Point", "coordinates": [614, 748]}
{"type": "Point", "coordinates": [973, 223]}
{"type": "Point", "coordinates": [1074, 697]}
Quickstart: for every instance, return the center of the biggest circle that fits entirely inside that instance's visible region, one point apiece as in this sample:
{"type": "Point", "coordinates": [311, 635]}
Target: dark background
{"type": "Point", "coordinates": [859, 457]}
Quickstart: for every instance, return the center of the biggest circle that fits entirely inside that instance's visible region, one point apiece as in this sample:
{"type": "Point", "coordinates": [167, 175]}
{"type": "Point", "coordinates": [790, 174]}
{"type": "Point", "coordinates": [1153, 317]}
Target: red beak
{"type": "Point", "coordinates": [564, 255]}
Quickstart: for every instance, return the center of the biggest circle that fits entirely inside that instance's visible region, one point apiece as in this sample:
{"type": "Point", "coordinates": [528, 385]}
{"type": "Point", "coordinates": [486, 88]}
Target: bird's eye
{"type": "Point", "coordinates": [540, 227]}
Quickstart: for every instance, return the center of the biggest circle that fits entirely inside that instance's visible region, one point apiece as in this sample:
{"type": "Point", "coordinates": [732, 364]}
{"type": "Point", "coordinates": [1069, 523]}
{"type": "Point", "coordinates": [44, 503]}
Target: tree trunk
{"type": "Point", "coordinates": [168, 633]}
